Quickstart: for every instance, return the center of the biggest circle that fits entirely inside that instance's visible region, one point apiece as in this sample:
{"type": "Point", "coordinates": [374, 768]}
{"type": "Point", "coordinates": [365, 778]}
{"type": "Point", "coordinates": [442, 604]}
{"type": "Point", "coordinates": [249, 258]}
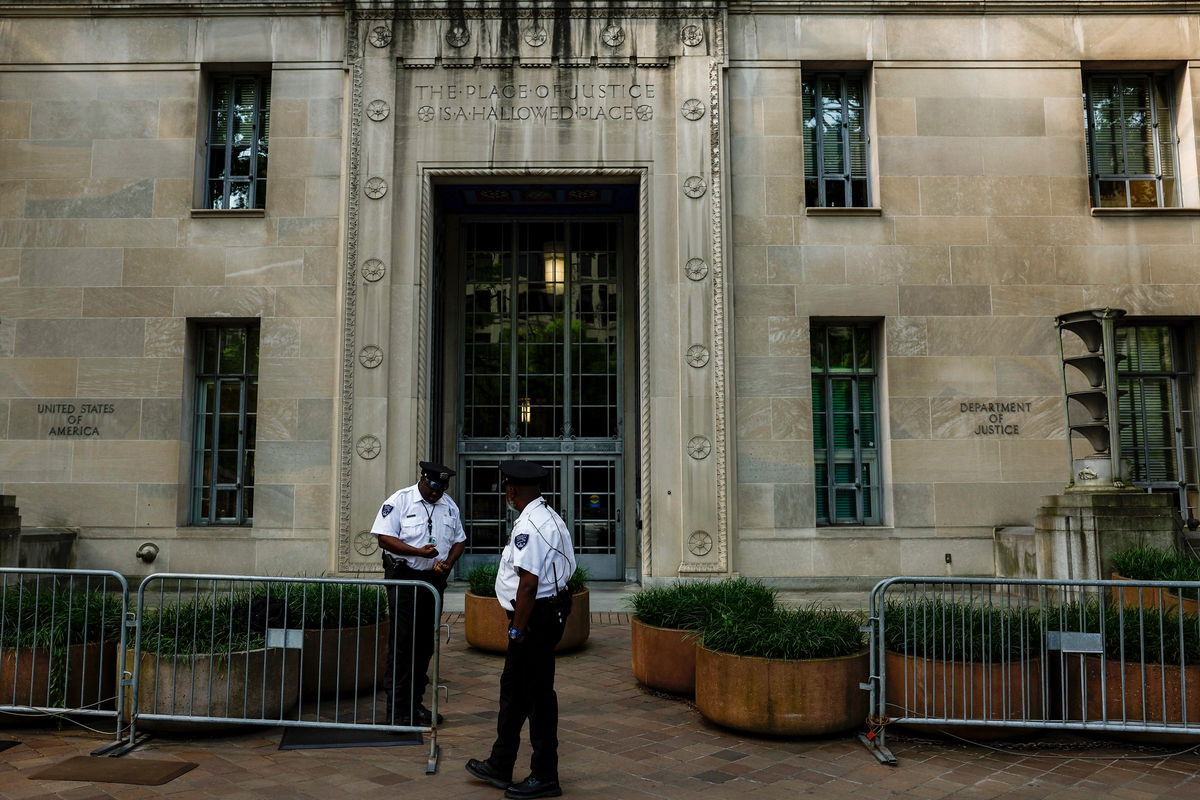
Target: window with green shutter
{"type": "Point", "coordinates": [239, 121]}
{"type": "Point", "coordinates": [835, 140]}
{"type": "Point", "coordinates": [1131, 140]}
{"type": "Point", "coordinates": [845, 423]}
{"type": "Point", "coordinates": [1158, 439]}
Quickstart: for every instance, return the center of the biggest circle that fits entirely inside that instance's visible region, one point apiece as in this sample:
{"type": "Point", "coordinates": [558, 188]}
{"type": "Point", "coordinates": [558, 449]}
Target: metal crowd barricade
{"type": "Point", "coordinates": [969, 654]}
{"type": "Point", "coordinates": [62, 635]}
{"type": "Point", "coordinates": [295, 652]}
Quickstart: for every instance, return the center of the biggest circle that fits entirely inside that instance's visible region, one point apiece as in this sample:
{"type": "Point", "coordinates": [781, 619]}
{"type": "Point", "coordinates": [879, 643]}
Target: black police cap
{"type": "Point", "coordinates": [523, 473]}
{"type": "Point", "coordinates": [438, 472]}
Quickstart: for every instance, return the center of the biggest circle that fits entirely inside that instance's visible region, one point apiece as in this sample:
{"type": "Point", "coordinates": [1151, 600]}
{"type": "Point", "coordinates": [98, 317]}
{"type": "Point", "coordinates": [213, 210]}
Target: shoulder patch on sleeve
{"type": "Point", "coordinates": [387, 509]}
{"type": "Point", "coordinates": [520, 540]}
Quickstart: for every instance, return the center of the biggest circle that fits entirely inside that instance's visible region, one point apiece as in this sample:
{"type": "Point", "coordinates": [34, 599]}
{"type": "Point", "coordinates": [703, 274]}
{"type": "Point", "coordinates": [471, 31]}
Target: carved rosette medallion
{"type": "Point", "coordinates": [378, 110]}
{"type": "Point", "coordinates": [692, 35]}
{"type": "Point", "coordinates": [365, 543]}
{"type": "Point", "coordinates": [375, 188]}
{"type": "Point", "coordinates": [644, 112]}
{"type": "Point", "coordinates": [371, 356]}
{"type": "Point", "coordinates": [458, 36]}
{"type": "Point", "coordinates": [697, 355]}
{"type": "Point", "coordinates": [613, 36]}
{"type": "Point", "coordinates": [381, 36]}
{"type": "Point", "coordinates": [425, 113]}
{"type": "Point", "coordinates": [536, 36]}
{"type": "Point", "coordinates": [373, 269]}
{"type": "Point", "coordinates": [699, 447]}
{"type": "Point", "coordinates": [700, 543]}
{"type": "Point", "coordinates": [696, 269]}
{"type": "Point", "coordinates": [694, 187]}
{"type": "Point", "coordinates": [368, 446]}
{"type": "Point", "coordinates": [693, 109]}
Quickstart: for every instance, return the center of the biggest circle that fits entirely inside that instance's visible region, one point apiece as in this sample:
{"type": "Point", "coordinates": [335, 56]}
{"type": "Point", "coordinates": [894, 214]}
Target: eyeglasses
{"type": "Point", "coordinates": [436, 485]}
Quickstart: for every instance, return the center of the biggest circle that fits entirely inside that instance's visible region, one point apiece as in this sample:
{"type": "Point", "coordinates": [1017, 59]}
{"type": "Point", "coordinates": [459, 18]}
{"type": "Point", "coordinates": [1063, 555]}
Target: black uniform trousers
{"type": "Point", "coordinates": [413, 629]}
{"type": "Point", "coordinates": [527, 692]}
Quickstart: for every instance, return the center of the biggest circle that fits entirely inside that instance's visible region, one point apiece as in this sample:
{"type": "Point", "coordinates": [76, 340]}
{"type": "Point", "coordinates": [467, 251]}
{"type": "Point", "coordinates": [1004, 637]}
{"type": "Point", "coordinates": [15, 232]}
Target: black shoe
{"type": "Point", "coordinates": [532, 787]}
{"type": "Point", "coordinates": [489, 774]}
{"type": "Point", "coordinates": [425, 716]}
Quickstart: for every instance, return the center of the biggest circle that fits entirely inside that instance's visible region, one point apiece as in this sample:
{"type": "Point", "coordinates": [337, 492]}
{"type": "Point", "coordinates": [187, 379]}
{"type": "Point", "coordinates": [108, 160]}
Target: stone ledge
{"type": "Point", "coordinates": [1146, 212]}
{"type": "Point", "coordinates": [843, 211]}
{"type": "Point", "coordinates": [239, 213]}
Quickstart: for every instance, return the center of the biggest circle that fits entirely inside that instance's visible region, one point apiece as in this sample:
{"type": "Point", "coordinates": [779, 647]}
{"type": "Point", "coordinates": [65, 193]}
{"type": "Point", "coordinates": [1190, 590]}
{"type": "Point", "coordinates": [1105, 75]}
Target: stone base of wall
{"type": "Point", "coordinates": [1077, 534]}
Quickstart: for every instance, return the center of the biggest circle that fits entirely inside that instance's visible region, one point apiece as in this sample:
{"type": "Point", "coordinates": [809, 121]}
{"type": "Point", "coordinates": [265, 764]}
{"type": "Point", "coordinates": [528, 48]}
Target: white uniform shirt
{"type": "Point", "coordinates": [407, 516]}
{"type": "Point", "coordinates": [539, 543]}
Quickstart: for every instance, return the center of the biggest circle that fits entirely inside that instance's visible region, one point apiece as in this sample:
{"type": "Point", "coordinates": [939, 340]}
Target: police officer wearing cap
{"type": "Point", "coordinates": [420, 531]}
{"type": "Point", "coordinates": [531, 585]}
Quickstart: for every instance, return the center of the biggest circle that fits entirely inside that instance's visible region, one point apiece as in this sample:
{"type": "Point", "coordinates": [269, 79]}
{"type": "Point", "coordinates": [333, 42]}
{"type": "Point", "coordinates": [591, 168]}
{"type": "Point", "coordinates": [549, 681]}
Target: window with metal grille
{"type": "Point", "coordinates": [835, 140]}
{"type": "Point", "coordinates": [1158, 436]}
{"type": "Point", "coordinates": [1131, 140]}
{"type": "Point", "coordinates": [225, 423]}
{"type": "Point", "coordinates": [238, 126]}
{"type": "Point", "coordinates": [845, 423]}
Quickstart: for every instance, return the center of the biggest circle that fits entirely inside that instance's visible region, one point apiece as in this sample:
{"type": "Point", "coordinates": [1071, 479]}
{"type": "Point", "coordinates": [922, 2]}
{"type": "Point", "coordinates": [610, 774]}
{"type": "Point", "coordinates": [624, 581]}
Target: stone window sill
{"type": "Point", "coordinates": [243, 213]}
{"type": "Point", "coordinates": [1146, 212]}
{"type": "Point", "coordinates": [853, 211]}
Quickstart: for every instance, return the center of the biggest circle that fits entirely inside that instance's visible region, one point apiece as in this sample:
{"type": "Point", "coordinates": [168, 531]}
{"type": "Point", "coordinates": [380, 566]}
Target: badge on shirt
{"type": "Point", "coordinates": [520, 540]}
{"type": "Point", "coordinates": [386, 509]}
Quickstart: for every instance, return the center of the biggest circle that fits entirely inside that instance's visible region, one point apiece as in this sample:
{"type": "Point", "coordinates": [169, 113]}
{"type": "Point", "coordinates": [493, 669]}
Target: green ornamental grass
{"type": "Point", "coordinates": [955, 631]}
{"type": "Point", "coordinates": [691, 605]}
{"type": "Point", "coordinates": [809, 632]}
{"type": "Point", "coordinates": [481, 580]}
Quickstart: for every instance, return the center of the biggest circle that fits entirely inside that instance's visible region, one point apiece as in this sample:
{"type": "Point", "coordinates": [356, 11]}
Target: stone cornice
{"type": "Point", "coordinates": [170, 8]}
{"type": "Point", "coordinates": [963, 7]}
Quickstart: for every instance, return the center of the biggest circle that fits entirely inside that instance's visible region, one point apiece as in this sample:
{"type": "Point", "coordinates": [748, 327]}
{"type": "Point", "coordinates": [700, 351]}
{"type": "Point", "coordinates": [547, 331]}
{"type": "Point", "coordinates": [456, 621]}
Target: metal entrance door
{"type": "Point", "coordinates": [542, 370]}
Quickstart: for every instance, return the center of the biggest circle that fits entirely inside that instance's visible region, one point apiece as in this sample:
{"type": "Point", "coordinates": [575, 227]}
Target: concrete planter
{"type": "Point", "coordinates": [663, 658]}
{"type": "Point", "coordinates": [343, 660]}
{"type": "Point", "coordinates": [81, 675]}
{"type": "Point", "coordinates": [486, 623]}
{"type": "Point", "coordinates": [247, 684]}
{"type": "Point", "coordinates": [810, 697]}
{"type": "Point", "coordinates": [1148, 694]}
{"type": "Point", "coordinates": [930, 687]}
{"type": "Point", "coordinates": [1152, 599]}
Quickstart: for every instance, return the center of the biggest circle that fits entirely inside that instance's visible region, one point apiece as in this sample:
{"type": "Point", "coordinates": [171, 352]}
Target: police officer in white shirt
{"type": "Point", "coordinates": [420, 532]}
{"type": "Point", "coordinates": [531, 585]}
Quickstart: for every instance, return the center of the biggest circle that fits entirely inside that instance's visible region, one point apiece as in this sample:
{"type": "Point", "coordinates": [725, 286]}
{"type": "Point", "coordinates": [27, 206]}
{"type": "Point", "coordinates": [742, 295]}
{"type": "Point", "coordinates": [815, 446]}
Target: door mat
{"type": "Point", "coordinates": [4, 745]}
{"type": "Point", "coordinates": [101, 769]}
{"type": "Point", "coordinates": [315, 738]}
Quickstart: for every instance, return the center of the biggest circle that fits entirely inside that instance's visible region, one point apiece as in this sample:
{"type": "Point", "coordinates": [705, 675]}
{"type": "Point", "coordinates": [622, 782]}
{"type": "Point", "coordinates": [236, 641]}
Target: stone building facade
{"type": "Point", "coordinates": [769, 284]}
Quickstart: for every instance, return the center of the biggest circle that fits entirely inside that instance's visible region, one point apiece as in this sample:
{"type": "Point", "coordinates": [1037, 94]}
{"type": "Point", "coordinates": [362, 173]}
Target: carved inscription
{"type": "Point", "coordinates": [996, 418]}
{"type": "Point", "coordinates": [534, 103]}
{"type": "Point", "coordinates": [81, 419]}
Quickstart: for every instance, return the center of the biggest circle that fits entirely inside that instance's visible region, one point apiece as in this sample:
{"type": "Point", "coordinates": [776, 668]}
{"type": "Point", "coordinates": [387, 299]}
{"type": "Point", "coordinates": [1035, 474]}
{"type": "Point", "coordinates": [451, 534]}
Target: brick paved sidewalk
{"type": "Point", "coordinates": [618, 742]}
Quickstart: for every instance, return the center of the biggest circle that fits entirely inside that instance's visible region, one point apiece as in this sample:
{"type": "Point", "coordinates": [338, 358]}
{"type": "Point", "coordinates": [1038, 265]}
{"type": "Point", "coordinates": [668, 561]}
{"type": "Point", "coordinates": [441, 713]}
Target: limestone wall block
{"type": "Point", "coordinates": [1043, 420]}
{"type": "Point", "coordinates": [945, 300]}
{"type": "Point", "coordinates": [277, 419]}
{"type": "Point", "coordinates": [1026, 231]}
{"type": "Point", "coordinates": [1122, 231]}
{"type": "Point", "coordinates": [263, 266]}
{"type": "Point", "coordinates": [36, 159]}
{"type": "Point", "coordinates": [322, 198]}
{"type": "Point", "coordinates": [161, 418]}
{"type": "Point", "coordinates": [945, 460]}
{"type": "Point", "coordinates": [1171, 263]}
{"type": "Point", "coordinates": [785, 264]}
{"type": "Point", "coordinates": [10, 266]}
{"type": "Point", "coordinates": [756, 505]}
{"type": "Point", "coordinates": [320, 337]}
{"type": "Point", "coordinates": [980, 116]}
{"type": "Point", "coordinates": [968, 83]}
{"type": "Point", "coordinates": [274, 505]}
{"type": "Point", "coordinates": [316, 419]}
{"type": "Point", "coordinates": [772, 557]}
{"type": "Point", "coordinates": [788, 335]}
{"type": "Point", "coordinates": [1045, 156]}
{"type": "Point", "coordinates": [232, 301]}
{"type": "Point", "coordinates": [941, 376]}
{"type": "Point", "coordinates": [898, 264]}
{"type": "Point", "coordinates": [158, 505]}
{"type": "Point", "coordinates": [305, 157]}
{"type": "Point", "coordinates": [123, 461]}
{"type": "Point", "coordinates": [941, 230]}
{"type": "Point", "coordinates": [991, 504]}
{"type": "Point", "coordinates": [750, 191]}
{"type": "Point", "coordinates": [314, 507]}
{"type": "Point", "coordinates": [63, 504]}
{"type": "Point", "coordinates": [165, 337]}
{"type": "Point", "coordinates": [131, 232]}
{"type": "Point", "coordinates": [920, 156]}
{"type": "Point", "coordinates": [1145, 300]}
{"type": "Point", "coordinates": [36, 377]}
{"type": "Point", "coordinates": [142, 301]}
{"type": "Point", "coordinates": [754, 419]}
{"type": "Point", "coordinates": [748, 264]}
{"type": "Point", "coordinates": [15, 118]}
{"type": "Point", "coordinates": [847, 301]}
{"type": "Point", "coordinates": [772, 377]}
{"type": "Point", "coordinates": [294, 462]}
{"type": "Point", "coordinates": [279, 338]}
{"type": "Point", "coordinates": [153, 158]}
{"type": "Point", "coordinates": [12, 198]}
{"type": "Point", "coordinates": [1036, 300]}
{"type": "Point", "coordinates": [747, 156]}
{"type": "Point", "coordinates": [16, 303]}
{"type": "Point", "coordinates": [985, 195]}
{"type": "Point", "coordinates": [95, 119]}
{"type": "Point", "coordinates": [858, 231]}
{"type": "Point", "coordinates": [25, 421]}
{"type": "Point", "coordinates": [998, 336]}
{"type": "Point", "coordinates": [80, 337]}
{"type": "Point", "coordinates": [971, 556]}
{"type": "Point", "coordinates": [909, 417]}
{"type": "Point", "coordinates": [795, 505]}
{"type": "Point", "coordinates": [35, 461]}
{"type": "Point", "coordinates": [306, 301]}
{"type": "Point", "coordinates": [308, 231]}
{"type": "Point", "coordinates": [1000, 265]}
{"type": "Point", "coordinates": [1090, 264]}
{"type": "Point", "coordinates": [310, 556]}
{"type": "Point", "coordinates": [174, 266]}
{"type": "Point", "coordinates": [119, 377]}
{"type": "Point", "coordinates": [90, 198]}
{"type": "Point", "coordinates": [791, 418]}
{"type": "Point", "coordinates": [764, 301]}
{"type": "Point", "coordinates": [862, 555]}
{"type": "Point", "coordinates": [225, 232]}
{"type": "Point", "coordinates": [321, 266]}
{"type": "Point", "coordinates": [297, 377]}
{"type": "Point", "coordinates": [1029, 375]}
{"type": "Point", "coordinates": [750, 335]}
{"type": "Point", "coordinates": [775, 462]}
{"type": "Point", "coordinates": [1035, 460]}
{"type": "Point", "coordinates": [913, 505]}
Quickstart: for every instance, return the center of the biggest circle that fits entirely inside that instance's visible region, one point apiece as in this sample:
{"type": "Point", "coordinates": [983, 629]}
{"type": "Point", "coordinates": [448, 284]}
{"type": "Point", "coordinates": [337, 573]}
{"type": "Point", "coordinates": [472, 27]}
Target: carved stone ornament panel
{"type": "Point", "coordinates": [368, 446]}
{"type": "Point", "coordinates": [644, 112]}
{"type": "Point", "coordinates": [381, 36]}
{"type": "Point", "coordinates": [696, 269]}
{"type": "Point", "coordinates": [536, 36]}
{"type": "Point", "coordinates": [378, 110]}
{"type": "Point", "coordinates": [693, 187]}
{"type": "Point", "coordinates": [699, 447]}
{"type": "Point", "coordinates": [425, 113]}
{"type": "Point", "coordinates": [697, 355]}
{"type": "Point", "coordinates": [700, 543]}
{"type": "Point", "coordinates": [375, 188]}
{"type": "Point", "coordinates": [373, 269]}
{"type": "Point", "coordinates": [693, 109]}
{"type": "Point", "coordinates": [371, 356]}
{"type": "Point", "coordinates": [692, 35]}
{"type": "Point", "coordinates": [365, 543]}
{"type": "Point", "coordinates": [458, 36]}
{"type": "Point", "coordinates": [613, 36]}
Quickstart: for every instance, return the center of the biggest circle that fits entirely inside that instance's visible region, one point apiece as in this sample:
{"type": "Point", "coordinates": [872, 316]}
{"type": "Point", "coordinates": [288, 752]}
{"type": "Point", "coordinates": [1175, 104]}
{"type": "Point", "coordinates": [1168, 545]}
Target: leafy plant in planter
{"type": "Point", "coordinates": [784, 672]}
{"type": "Point", "coordinates": [486, 621]}
{"type": "Point", "coordinates": [666, 620]}
{"type": "Point", "coordinates": [950, 659]}
{"type": "Point", "coordinates": [1151, 564]}
{"type": "Point", "coordinates": [58, 646]}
